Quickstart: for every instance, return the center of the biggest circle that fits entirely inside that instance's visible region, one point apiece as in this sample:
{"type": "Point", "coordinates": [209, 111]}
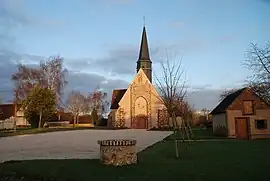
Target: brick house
{"type": "Point", "coordinates": [243, 114]}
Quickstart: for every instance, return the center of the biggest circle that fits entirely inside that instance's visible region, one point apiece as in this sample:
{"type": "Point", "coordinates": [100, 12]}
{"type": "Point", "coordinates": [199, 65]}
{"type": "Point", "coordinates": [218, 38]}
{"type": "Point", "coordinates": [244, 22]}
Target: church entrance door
{"type": "Point", "coordinates": [140, 121]}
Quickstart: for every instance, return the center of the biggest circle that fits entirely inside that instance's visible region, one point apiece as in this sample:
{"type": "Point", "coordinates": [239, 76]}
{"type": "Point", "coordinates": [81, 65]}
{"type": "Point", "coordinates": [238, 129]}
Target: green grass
{"type": "Point", "coordinates": [23, 131]}
{"type": "Point", "coordinates": [198, 134]}
{"type": "Point", "coordinates": [208, 160]}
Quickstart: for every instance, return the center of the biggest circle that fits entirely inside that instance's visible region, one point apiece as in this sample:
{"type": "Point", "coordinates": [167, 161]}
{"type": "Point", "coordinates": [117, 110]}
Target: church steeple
{"type": "Point", "coordinates": [144, 51]}
{"type": "Point", "coordinates": [144, 60]}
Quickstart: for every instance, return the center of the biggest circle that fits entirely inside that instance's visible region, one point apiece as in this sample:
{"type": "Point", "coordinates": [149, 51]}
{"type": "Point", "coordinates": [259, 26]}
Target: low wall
{"type": "Point", "coordinates": [118, 152]}
{"type": "Point", "coordinates": [7, 124]}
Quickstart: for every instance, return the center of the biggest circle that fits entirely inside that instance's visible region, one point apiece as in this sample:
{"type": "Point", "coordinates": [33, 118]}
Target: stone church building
{"type": "Point", "coordinates": [138, 106]}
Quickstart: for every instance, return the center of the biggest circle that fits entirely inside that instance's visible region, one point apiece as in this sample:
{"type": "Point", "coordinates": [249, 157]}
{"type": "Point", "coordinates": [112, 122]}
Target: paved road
{"type": "Point", "coordinates": [81, 144]}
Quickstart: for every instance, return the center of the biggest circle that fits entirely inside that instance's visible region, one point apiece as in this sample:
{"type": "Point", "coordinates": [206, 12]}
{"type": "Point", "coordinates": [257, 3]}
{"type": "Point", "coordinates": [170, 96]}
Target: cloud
{"type": "Point", "coordinates": [84, 82]}
{"type": "Point", "coordinates": [121, 62]}
{"type": "Point", "coordinates": [15, 13]}
{"type": "Point", "coordinates": [200, 87]}
{"type": "Point", "coordinates": [206, 98]}
{"type": "Point", "coordinates": [13, 16]}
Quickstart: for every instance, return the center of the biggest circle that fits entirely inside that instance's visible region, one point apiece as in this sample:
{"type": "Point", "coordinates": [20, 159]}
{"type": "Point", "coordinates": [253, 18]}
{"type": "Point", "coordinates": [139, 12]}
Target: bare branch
{"type": "Point", "coordinates": [171, 84]}
{"type": "Point", "coordinates": [258, 61]}
{"type": "Point", "coordinates": [171, 87]}
{"type": "Point", "coordinates": [50, 74]}
{"type": "Point", "coordinates": [98, 101]}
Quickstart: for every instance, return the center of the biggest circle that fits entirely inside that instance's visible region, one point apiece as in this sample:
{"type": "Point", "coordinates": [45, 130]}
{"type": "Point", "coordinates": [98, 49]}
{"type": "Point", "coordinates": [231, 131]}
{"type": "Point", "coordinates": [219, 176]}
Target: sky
{"type": "Point", "coordinates": [100, 39]}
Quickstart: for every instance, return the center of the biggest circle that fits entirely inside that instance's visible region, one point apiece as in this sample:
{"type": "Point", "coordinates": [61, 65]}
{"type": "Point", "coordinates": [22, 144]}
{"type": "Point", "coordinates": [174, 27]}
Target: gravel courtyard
{"type": "Point", "coordinates": [81, 144]}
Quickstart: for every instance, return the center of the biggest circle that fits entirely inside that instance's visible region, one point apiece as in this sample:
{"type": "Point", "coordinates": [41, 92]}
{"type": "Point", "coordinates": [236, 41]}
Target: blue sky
{"type": "Point", "coordinates": [211, 36]}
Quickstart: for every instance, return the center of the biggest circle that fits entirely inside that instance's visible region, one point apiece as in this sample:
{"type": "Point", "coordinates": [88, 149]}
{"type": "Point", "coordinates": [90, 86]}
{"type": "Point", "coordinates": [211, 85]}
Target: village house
{"type": "Point", "coordinates": [138, 106]}
{"type": "Point", "coordinates": [11, 110]}
{"type": "Point", "coordinates": [8, 115]}
{"type": "Point", "coordinates": [243, 114]}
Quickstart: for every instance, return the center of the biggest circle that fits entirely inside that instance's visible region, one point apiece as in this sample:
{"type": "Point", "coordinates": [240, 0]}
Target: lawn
{"type": "Point", "coordinates": [23, 131]}
{"type": "Point", "coordinates": [225, 160]}
{"type": "Point", "coordinates": [197, 134]}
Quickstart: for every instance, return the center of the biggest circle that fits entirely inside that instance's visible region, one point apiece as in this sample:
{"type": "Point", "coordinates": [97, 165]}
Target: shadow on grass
{"type": "Point", "coordinates": [211, 161]}
{"type": "Point", "coordinates": [197, 134]}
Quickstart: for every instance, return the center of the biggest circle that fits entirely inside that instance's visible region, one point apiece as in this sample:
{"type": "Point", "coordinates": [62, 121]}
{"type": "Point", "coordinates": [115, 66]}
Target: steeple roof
{"type": "Point", "coordinates": [144, 51]}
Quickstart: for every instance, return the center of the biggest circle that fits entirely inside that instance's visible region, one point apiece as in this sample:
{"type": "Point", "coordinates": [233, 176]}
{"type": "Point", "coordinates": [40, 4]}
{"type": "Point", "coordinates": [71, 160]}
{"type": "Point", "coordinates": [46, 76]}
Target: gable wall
{"type": "Point", "coordinates": [126, 106]}
{"type": "Point", "coordinates": [140, 87]}
{"type": "Point", "coordinates": [262, 111]}
{"type": "Point", "coordinates": [247, 95]}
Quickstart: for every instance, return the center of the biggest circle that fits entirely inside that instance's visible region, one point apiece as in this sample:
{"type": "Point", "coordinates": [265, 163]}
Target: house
{"type": "Point", "coordinates": [243, 114]}
{"type": "Point", "coordinates": [139, 105]}
{"type": "Point", "coordinates": [8, 110]}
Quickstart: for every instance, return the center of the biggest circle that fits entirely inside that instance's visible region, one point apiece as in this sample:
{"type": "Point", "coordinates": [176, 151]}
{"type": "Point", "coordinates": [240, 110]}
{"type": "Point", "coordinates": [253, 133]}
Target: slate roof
{"type": "Point", "coordinates": [227, 101]}
{"type": "Point", "coordinates": [144, 51]}
{"type": "Point", "coordinates": [116, 97]}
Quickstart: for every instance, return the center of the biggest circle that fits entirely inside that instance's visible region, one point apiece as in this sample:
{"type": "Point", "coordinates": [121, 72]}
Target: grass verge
{"type": "Point", "coordinates": [205, 161]}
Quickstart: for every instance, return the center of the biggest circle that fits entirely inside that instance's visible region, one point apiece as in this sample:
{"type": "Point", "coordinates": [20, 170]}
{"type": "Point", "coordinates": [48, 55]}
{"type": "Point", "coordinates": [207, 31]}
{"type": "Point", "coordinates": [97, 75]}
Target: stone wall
{"type": "Point", "coordinates": [118, 152]}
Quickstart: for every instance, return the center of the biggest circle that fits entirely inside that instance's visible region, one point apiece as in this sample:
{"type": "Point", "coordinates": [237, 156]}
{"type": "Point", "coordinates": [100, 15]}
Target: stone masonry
{"type": "Point", "coordinates": [118, 152]}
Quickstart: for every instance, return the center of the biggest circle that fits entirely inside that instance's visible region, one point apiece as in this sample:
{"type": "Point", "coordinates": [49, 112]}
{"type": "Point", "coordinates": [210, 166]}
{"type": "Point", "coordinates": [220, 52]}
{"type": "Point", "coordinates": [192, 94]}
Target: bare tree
{"type": "Point", "coordinates": [98, 101]}
{"type": "Point", "coordinates": [24, 79]}
{"type": "Point", "coordinates": [172, 93]}
{"type": "Point", "coordinates": [76, 104]}
{"type": "Point", "coordinates": [258, 61]}
{"type": "Point", "coordinates": [50, 74]}
{"type": "Point", "coordinates": [187, 112]}
{"type": "Point", "coordinates": [205, 111]}
{"type": "Point", "coordinates": [53, 76]}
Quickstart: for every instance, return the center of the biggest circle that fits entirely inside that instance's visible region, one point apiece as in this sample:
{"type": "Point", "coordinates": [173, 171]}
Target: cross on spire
{"type": "Point", "coordinates": [143, 20]}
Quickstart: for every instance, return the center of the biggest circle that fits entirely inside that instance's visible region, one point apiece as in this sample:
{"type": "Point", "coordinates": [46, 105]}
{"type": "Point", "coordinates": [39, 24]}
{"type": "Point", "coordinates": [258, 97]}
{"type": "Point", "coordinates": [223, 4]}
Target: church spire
{"type": "Point", "coordinates": [144, 61]}
{"type": "Point", "coordinates": [144, 51]}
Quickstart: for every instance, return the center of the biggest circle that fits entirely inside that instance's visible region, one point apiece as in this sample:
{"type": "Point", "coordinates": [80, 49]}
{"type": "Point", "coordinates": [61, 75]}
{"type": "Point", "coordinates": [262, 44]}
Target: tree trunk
{"type": "Point", "coordinates": [175, 135]}
{"type": "Point", "coordinates": [40, 119]}
{"type": "Point", "coordinates": [15, 117]}
{"type": "Point", "coordinates": [77, 118]}
{"type": "Point", "coordinates": [74, 120]}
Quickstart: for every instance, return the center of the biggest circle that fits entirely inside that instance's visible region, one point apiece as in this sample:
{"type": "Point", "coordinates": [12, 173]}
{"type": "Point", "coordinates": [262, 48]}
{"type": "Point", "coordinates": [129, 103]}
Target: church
{"type": "Point", "coordinates": [139, 106]}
